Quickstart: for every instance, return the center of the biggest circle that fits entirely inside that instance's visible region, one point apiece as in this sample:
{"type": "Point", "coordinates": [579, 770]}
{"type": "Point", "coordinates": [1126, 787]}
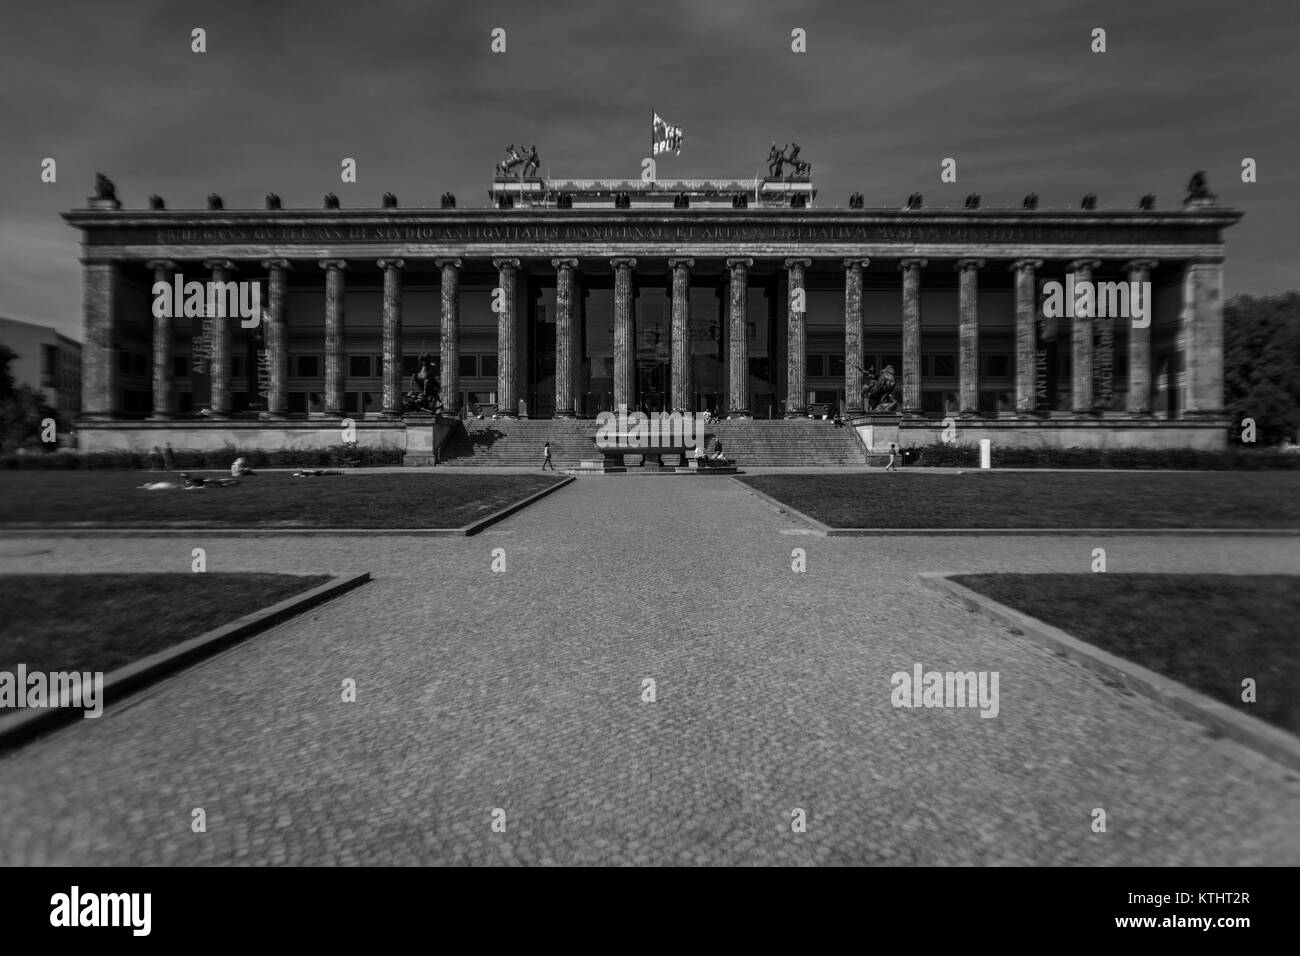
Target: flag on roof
{"type": "Point", "coordinates": [666, 137]}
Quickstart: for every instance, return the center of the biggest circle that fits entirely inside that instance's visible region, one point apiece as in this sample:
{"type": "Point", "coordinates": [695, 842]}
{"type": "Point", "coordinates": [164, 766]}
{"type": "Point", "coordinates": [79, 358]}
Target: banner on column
{"type": "Point", "coordinates": [201, 363]}
{"type": "Point", "coordinates": [1044, 368]}
{"type": "Point", "coordinates": [258, 366]}
{"type": "Point", "coordinates": [1103, 362]}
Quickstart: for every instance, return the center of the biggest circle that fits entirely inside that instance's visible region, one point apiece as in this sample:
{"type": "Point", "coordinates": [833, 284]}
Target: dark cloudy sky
{"type": "Point", "coordinates": [411, 90]}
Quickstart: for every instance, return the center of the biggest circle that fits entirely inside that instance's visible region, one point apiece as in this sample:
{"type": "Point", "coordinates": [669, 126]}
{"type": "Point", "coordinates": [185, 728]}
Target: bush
{"type": "Point", "coordinates": [210, 460]}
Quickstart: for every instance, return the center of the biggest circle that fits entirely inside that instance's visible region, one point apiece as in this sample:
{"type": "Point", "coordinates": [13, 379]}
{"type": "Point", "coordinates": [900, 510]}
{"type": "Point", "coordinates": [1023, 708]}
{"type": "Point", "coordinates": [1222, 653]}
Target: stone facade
{"type": "Point", "coordinates": [660, 306]}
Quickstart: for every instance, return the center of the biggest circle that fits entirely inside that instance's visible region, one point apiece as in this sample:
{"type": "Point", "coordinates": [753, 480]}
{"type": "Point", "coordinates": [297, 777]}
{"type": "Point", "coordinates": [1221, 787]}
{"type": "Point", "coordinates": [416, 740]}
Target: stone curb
{"type": "Point", "coordinates": [818, 527]}
{"type": "Point", "coordinates": [22, 726]}
{"type": "Point", "coordinates": [1107, 532]}
{"type": "Point", "coordinates": [465, 531]}
{"type": "Point", "coordinates": [1254, 733]}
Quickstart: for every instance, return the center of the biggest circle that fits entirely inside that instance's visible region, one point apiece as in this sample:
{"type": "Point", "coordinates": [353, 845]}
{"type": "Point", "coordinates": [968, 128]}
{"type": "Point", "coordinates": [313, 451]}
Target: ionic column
{"type": "Point", "coordinates": [334, 336]}
{"type": "Point", "coordinates": [449, 334]}
{"type": "Point", "coordinates": [682, 398]}
{"type": "Point", "coordinates": [163, 272]}
{"type": "Point", "coordinates": [564, 326]}
{"type": "Point", "coordinates": [507, 402]}
{"type": "Point", "coordinates": [99, 393]}
{"type": "Point", "coordinates": [968, 383]}
{"type": "Point", "coordinates": [219, 332]}
{"type": "Point", "coordinates": [624, 332]}
{"type": "Point", "coordinates": [1202, 326]}
{"type": "Point", "coordinates": [853, 334]}
{"type": "Point", "coordinates": [796, 383]}
{"type": "Point", "coordinates": [1139, 340]}
{"type": "Point", "coordinates": [1026, 342]}
{"type": "Point", "coordinates": [275, 317]}
{"type": "Point", "coordinates": [738, 335]}
{"type": "Point", "coordinates": [392, 399]}
{"type": "Point", "coordinates": [1081, 364]}
{"type": "Point", "coordinates": [912, 334]}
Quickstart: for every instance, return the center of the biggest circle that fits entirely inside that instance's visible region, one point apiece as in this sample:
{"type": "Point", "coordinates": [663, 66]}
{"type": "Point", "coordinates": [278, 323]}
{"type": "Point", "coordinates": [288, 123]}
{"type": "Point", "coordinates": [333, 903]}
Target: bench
{"type": "Point", "coordinates": [642, 452]}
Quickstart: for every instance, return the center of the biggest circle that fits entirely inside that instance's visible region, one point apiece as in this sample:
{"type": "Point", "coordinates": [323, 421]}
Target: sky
{"type": "Point", "coordinates": [413, 92]}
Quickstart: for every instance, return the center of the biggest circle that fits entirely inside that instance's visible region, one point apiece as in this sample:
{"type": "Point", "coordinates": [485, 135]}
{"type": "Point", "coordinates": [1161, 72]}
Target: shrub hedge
{"type": "Point", "coordinates": [1183, 459]}
{"type": "Point", "coordinates": [337, 456]}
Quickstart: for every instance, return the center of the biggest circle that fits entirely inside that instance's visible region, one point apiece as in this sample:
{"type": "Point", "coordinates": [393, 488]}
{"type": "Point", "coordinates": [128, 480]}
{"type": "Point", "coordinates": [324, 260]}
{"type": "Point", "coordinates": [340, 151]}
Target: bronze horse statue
{"type": "Point", "coordinates": [507, 165]}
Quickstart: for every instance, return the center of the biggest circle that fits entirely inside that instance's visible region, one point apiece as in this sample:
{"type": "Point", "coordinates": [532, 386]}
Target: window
{"type": "Point", "coordinates": [997, 366]}
{"type": "Point", "coordinates": [489, 363]}
{"type": "Point", "coordinates": [49, 362]}
{"type": "Point", "coordinates": [410, 364]}
{"type": "Point", "coordinates": [468, 366]}
{"type": "Point", "coordinates": [358, 366]}
{"type": "Point", "coordinates": [834, 365]}
{"type": "Point", "coordinates": [895, 360]}
{"type": "Point", "coordinates": [945, 366]}
{"type": "Point", "coordinates": [816, 365]}
{"type": "Point", "coordinates": [307, 366]}
{"type": "Point", "coordinates": [180, 366]}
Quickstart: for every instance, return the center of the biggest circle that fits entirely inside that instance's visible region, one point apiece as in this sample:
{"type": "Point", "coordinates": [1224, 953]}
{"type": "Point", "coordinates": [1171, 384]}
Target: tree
{"type": "Point", "coordinates": [22, 410]}
{"type": "Point", "coordinates": [1261, 364]}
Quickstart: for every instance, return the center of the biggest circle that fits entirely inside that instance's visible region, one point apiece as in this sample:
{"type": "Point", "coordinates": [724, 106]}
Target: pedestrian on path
{"type": "Point", "coordinates": [893, 449]}
{"type": "Point", "coordinates": [546, 457]}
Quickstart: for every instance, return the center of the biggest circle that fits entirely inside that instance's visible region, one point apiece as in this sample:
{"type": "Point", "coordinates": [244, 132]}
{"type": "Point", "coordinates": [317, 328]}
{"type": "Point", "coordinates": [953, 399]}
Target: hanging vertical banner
{"type": "Point", "coordinates": [1103, 361]}
{"type": "Point", "coordinates": [1045, 329]}
{"type": "Point", "coordinates": [201, 362]}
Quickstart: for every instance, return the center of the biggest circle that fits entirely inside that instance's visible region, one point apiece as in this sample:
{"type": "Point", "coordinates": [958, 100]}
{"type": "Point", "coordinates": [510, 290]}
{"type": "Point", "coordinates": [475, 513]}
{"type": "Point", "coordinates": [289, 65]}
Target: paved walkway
{"type": "Point", "coordinates": [523, 691]}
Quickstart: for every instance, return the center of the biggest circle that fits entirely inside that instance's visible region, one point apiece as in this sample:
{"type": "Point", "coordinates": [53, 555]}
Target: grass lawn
{"type": "Point", "coordinates": [269, 500]}
{"type": "Point", "coordinates": [914, 499]}
{"type": "Point", "coordinates": [1207, 631]}
{"type": "Point", "coordinates": [99, 622]}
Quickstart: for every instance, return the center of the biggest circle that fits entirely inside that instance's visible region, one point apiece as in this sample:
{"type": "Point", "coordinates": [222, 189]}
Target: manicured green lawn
{"type": "Point", "coordinates": [99, 622]}
{"type": "Point", "coordinates": [917, 499]}
{"type": "Point", "coordinates": [270, 500]}
{"type": "Point", "coordinates": [1208, 631]}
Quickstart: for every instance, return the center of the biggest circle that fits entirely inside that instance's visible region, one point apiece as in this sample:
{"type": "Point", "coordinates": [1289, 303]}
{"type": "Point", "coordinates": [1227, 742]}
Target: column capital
{"type": "Point", "coordinates": [447, 263]}
{"type": "Point", "coordinates": [328, 264]}
{"type": "Point", "coordinates": [220, 264]}
{"type": "Point", "coordinates": [856, 263]}
{"type": "Point", "coordinates": [167, 264]}
{"type": "Point", "coordinates": [1080, 264]}
{"type": "Point", "coordinates": [505, 263]}
{"type": "Point", "coordinates": [964, 264]}
{"type": "Point", "coordinates": [676, 261]}
{"type": "Point", "coordinates": [564, 264]}
{"type": "Point", "coordinates": [791, 263]}
{"type": "Point", "coordinates": [277, 264]}
{"type": "Point", "coordinates": [622, 262]}
{"type": "Point", "coordinates": [1145, 264]}
{"type": "Point", "coordinates": [739, 263]}
{"type": "Point", "coordinates": [906, 264]}
{"type": "Point", "coordinates": [387, 264]}
{"type": "Point", "coordinates": [1031, 264]}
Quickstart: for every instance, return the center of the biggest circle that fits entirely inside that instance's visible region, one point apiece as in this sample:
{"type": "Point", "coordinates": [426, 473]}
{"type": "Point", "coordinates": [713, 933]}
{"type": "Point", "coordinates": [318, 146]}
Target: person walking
{"type": "Point", "coordinates": [169, 461]}
{"type": "Point", "coordinates": [893, 450]}
{"type": "Point", "coordinates": [546, 457]}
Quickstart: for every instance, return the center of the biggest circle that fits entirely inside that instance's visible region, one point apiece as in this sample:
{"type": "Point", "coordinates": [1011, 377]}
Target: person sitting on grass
{"type": "Point", "coordinates": [193, 482]}
{"type": "Point", "coordinates": [239, 468]}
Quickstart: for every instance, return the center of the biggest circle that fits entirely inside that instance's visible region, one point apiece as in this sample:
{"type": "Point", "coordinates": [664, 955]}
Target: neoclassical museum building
{"type": "Point", "coordinates": [561, 299]}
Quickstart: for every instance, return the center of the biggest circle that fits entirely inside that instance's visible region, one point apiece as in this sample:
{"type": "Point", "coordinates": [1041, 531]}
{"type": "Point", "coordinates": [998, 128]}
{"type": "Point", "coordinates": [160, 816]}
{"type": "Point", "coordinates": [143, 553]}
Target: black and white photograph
{"type": "Point", "coordinates": [694, 433]}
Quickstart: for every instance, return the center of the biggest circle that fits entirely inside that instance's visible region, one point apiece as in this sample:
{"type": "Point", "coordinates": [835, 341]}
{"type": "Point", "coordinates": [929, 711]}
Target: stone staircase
{"type": "Point", "coordinates": [515, 442]}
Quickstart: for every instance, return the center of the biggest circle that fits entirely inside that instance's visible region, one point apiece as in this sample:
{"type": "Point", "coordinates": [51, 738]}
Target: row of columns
{"type": "Point", "coordinates": [1202, 314]}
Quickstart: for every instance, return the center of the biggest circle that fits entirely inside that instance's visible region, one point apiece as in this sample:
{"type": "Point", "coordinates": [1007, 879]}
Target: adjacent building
{"type": "Point", "coordinates": [49, 362]}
